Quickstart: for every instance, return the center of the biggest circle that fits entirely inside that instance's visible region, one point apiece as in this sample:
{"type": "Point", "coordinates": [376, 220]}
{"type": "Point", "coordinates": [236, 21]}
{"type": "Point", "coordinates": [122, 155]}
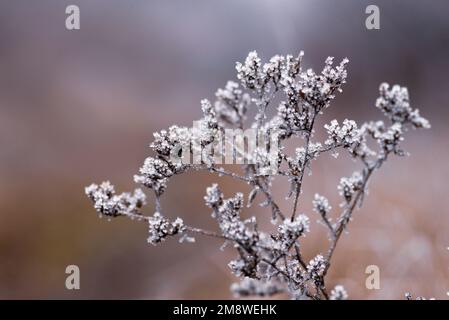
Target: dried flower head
{"type": "Point", "coordinates": [269, 262]}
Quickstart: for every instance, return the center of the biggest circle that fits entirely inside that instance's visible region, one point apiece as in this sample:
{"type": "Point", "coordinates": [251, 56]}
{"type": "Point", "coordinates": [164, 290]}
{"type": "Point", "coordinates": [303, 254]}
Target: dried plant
{"type": "Point", "coordinates": [269, 263]}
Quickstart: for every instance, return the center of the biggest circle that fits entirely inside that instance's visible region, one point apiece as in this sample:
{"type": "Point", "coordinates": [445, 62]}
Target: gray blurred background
{"type": "Point", "coordinates": [80, 106]}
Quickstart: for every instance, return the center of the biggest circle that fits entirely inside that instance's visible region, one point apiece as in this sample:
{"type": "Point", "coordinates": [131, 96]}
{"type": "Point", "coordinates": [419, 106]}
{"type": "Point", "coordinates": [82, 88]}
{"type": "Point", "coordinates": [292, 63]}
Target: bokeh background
{"type": "Point", "coordinates": [80, 106]}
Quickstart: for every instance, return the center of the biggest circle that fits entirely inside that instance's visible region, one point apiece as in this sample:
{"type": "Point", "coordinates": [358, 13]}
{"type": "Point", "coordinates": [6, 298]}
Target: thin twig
{"type": "Point", "coordinates": [303, 167]}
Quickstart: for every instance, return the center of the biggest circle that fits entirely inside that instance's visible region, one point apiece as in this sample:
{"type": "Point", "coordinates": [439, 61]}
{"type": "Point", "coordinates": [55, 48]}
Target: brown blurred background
{"type": "Point", "coordinates": [80, 106]}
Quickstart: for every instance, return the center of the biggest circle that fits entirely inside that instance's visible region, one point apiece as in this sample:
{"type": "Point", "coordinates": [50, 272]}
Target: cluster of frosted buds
{"type": "Point", "coordinates": [213, 197]}
{"type": "Point", "coordinates": [321, 205]}
{"type": "Point", "coordinates": [174, 148]}
{"type": "Point", "coordinates": [391, 137]}
{"type": "Point", "coordinates": [281, 70]}
{"type": "Point", "coordinates": [253, 287]}
{"type": "Point", "coordinates": [338, 293]}
{"type": "Point", "coordinates": [296, 164]}
{"type": "Point", "coordinates": [250, 72]}
{"type": "Point", "coordinates": [171, 143]}
{"type": "Point", "coordinates": [274, 68]}
{"type": "Point", "coordinates": [313, 150]}
{"type": "Point", "coordinates": [266, 162]}
{"type": "Point", "coordinates": [231, 104]}
{"type": "Point", "coordinates": [289, 231]}
{"type": "Point", "coordinates": [388, 138]}
{"type": "Point", "coordinates": [206, 130]}
{"type": "Point", "coordinates": [349, 185]}
{"type": "Point", "coordinates": [107, 203]}
{"type": "Point", "coordinates": [316, 268]}
{"type": "Point", "coordinates": [319, 89]}
{"type": "Point", "coordinates": [358, 147]}
{"type": "Point", "coordinates": [242, 233]}
{"type": "Point", "coordinates": [296, 272]}
{"type": "Point", "coordinates": [293, 120]}
{"type": "Point", "coordinates": [154, 174]}
{"type": "Point", "coordinates": [395, 104]}
{"type": "Point", "coordinates": [227, 213]}
{"type": "Point", "coordinates": [246, 265]}
{"type": "Point", "coordinates": [161, 228]}
{"type": "Point", "coordinates": [344, 135]}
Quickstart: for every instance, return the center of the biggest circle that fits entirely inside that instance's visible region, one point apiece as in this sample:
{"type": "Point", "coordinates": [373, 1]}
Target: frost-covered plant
{"type": "Point", "coordinates": [269, 262]}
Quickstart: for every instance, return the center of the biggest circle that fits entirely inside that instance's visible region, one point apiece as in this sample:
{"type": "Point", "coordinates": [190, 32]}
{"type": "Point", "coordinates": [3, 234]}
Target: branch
{"type": "Point", "coordinates": [303, 167]}
{"type": "Point", "coordinates": [346, 215]}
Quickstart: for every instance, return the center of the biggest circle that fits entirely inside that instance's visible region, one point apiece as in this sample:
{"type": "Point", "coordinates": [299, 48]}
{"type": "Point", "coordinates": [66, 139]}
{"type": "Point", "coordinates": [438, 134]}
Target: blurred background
{"type": "Point", "coordinates": [80, 106]}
